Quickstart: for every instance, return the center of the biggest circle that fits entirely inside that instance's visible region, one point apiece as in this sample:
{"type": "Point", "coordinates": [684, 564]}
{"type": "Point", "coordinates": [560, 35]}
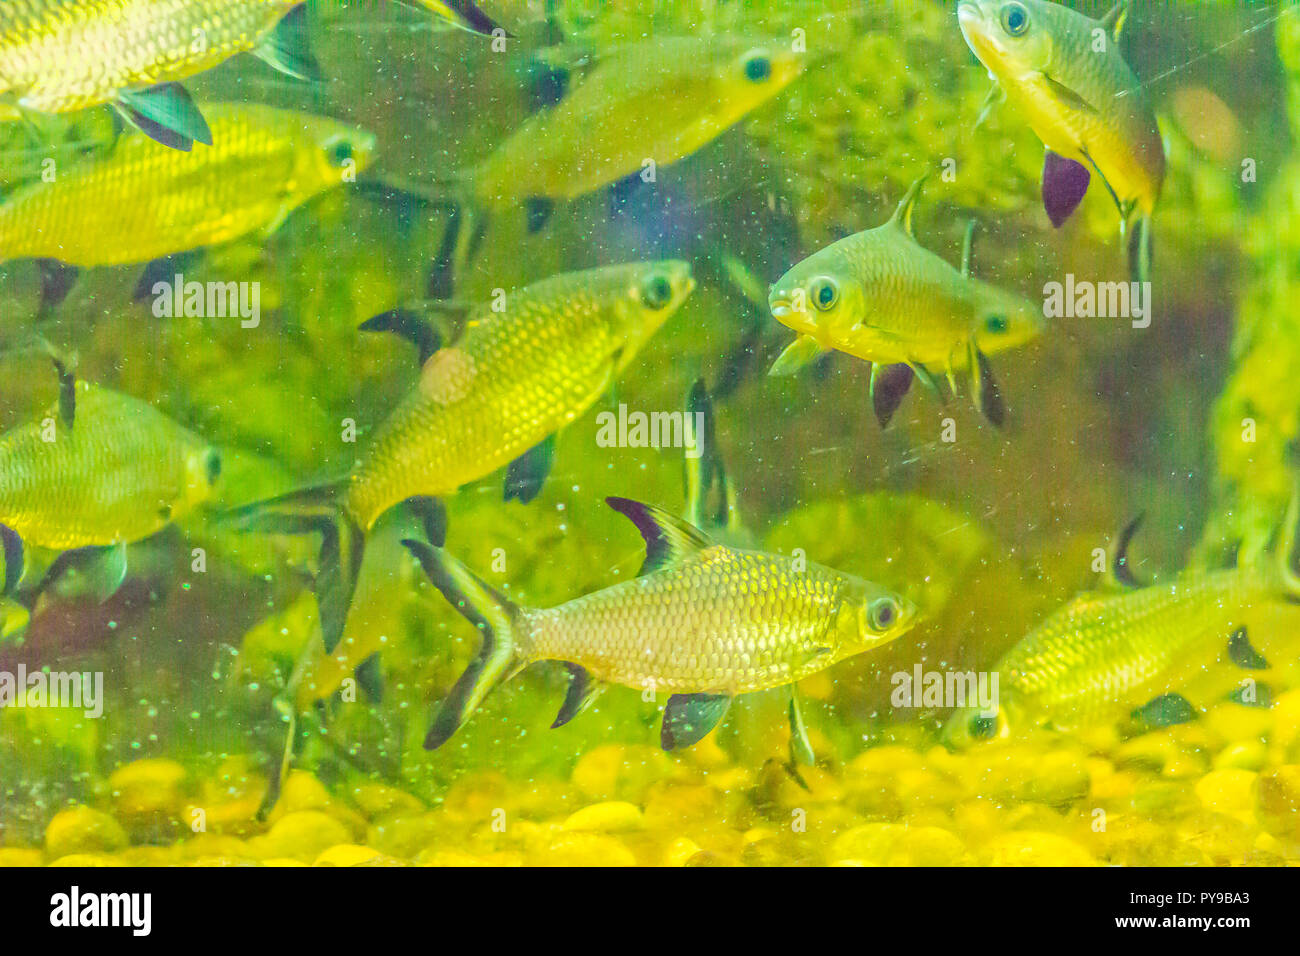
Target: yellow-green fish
{"type": "Point", "coordinates": [1109, 654]}
{"type": "Point", "coordinates": [1065, 74]}
{"type": "Point", "coordinates": [58, 56]}
{"type": "Point", "coordinates": [880, 296]}
{"type": "Point", "coordinates": [655, 101]}
{"type": "Point", "coordinates": [101, 470]}
{"type": "Point", "coordinates": [702, 621]}
{"type": "Point", "coordinates": [496, 397]}
{"type": "Point", "coordinates": [141, 201]}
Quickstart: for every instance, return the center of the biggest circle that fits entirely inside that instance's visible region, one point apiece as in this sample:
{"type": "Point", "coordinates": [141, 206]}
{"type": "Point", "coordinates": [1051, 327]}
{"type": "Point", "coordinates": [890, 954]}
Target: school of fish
{"type": "Point", "coordinates": [711, 616]}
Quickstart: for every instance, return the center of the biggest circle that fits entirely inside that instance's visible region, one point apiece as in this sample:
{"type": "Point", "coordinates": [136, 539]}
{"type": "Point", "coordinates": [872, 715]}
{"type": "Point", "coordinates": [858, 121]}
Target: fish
{"type": "Point", "coordinates": [653, 101]}
{"type": "Point", "coordinates": [878, 295]}
{"type": "Point", "coordinates": [1123, 651]}
{"type": "Point", "coordinates": [60, 56]}
{"type": "Point", "coordinates": [99, 471]}
{"type": "Point", "coordinates": [496, 397]}
{"type": "Point", "coordinates": [1065, 74]}
{"type": "Point", "coordinates": [141, 202]}
{"type": "Point", "coordinates": [702, 622]}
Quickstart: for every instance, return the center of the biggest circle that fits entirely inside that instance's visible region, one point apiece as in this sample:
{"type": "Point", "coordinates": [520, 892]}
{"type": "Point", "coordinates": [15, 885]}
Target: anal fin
{"type": "Point", "coordinates": [527, 473]}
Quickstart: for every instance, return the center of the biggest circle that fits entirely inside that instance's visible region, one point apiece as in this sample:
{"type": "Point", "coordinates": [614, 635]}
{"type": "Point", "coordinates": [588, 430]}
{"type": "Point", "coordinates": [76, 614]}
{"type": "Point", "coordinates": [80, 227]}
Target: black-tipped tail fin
{"type": "Point", "coordinates": [497, 619]}
{"type": "Point", "coordinates": [315, 510]}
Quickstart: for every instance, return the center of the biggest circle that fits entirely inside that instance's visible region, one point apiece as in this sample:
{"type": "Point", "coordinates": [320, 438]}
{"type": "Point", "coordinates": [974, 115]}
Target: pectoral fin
{"type": "Point", "coordinates": [527, 473]}
{"type": "Point", "coordinates": [165, 113]}
{"type": "Point", "coordinates": [801, 751]}
{"type": "Point", "coordinates": [370, 678]}
{"type": "Point", "coordinates": [802, 352]}
{"type": "Point", "coordinates": [57, 280]}
{"type": "Point", "coordinates": [94, 572]}
{"type": "Point", "coordinates": [1243, 654]}
{"type": "Point", "coordinates": [1166, 710]}
{"type": "Point", "coordinates": [688, 718]}
{"type": "Point", "coordinates": [583, 689]}
{"type": "Point", "coordinates": [286, 48]}
{"type": "Point", "coordinates": [988, 397]}
{"type": "Point", "coordinates": [1065, 183]}
{"type": "Point", "coordinates": [12, 547]}
{"type": "Point", "coordinates": [537, 212]}
{"type": "Point", "coordinates": [889, 386]}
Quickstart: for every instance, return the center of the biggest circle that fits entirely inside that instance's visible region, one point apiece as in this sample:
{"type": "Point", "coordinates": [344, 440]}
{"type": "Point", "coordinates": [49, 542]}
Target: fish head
{"type": "Point", "coordinates": [972, 725]}
{"type": "Point", "coordinates": [746, 74]}
{"type": "Point", "coordinates": [1011, 38]}
{"type": "Point", "coordinates": [644, 294]}
{"type": "Point", "coordinates": [1004, 320]}
{"type": "Point", "coordinates": [337, 152]}
{"type": "Point", "coordinates": [818, 297]}
{"type": "Point", "coordinates": [879, 616]}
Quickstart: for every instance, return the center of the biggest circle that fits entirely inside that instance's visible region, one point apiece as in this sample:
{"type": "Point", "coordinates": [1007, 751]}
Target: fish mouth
{"type": "Point", "coordinates": [780, 306]}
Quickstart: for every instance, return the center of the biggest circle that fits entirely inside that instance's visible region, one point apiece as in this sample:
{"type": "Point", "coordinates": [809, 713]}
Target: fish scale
{"type": "Point", "coordinates": [725, 621]}
{"type": "Point", "coordinates": [62, 55]}
{"type": "Point", "coordinates": [511, 381]}
{"type": "Point", "coordinates": [140, 200]}
{"type": "Point", "coordinates": [122, 473]}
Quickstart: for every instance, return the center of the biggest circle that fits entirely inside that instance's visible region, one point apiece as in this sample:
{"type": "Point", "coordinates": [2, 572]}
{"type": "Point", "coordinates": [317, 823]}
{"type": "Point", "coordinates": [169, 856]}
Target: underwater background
{"type": "Point", "coordinates": [988, 533]}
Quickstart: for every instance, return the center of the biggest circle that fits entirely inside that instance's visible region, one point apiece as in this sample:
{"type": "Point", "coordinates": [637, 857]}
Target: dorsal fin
{"type": "Point", "coordinates": [1115, 20]}
{"type": "Point", "coordinates": [668, 539]}
{"type": "Point", "coordinates": [903, 214]}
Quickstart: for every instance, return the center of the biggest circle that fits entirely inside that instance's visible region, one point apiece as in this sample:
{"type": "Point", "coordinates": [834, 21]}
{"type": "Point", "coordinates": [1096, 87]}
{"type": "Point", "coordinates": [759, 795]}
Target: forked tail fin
{"type": "Point", "coordinates": [497, 619]}
{"type": "Point", "coordinates": [316, 510]}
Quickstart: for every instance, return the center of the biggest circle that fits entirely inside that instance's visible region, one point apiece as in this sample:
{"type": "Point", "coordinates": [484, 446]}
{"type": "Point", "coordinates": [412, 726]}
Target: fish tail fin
{"type": "Point", "coordinates": [466, 227]}
{"type": "Point", "coordinates": [498, 620]}
{"type": "Point", "coordinates": [1287, 547]}
{"type": "Point", "coordinates": [316, 510]}
{"type": "Point", "coordinates": [1140, 249]}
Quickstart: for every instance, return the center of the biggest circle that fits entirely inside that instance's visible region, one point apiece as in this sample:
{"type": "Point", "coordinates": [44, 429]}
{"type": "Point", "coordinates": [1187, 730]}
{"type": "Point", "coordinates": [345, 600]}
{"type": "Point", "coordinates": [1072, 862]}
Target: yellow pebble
{"type": "Point", "coordinates": [680, 851]}
{"type": "Point", "coordinates": [149, 787]}
{"type": "Point", "coordinates": [612, 816]}
{"type": "Point", "coordinates": [1029, 848]}
{"type": "Point", "coordinates": [83, 830]}
{"type": "Point", "coordinates": [1230, 792]}
{"type": "Point", "coordinates": [13, 856]}
{"type": "Point", "coordinates": [586, 849]}
{"type": "Point", "coordinates": [1278, 801]}
{"type": "Point", "coordinates": [1243, 755]}
{"type": "Point", "coordinates": [85, 859]}
{"type": "Point", "coordinates": [346, 854]}
{"type": "Point", "coordinates": [305, 835]}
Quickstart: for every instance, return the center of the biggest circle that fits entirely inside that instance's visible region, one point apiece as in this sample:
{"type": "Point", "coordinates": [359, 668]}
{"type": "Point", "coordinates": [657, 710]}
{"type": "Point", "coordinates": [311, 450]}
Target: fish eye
{"type": "Point", "coordinates": [1015, 19]}
{"type": "Point", "coordinates": [983, 728]}
{"type": "Point", "coordinates": [996, 325]}
{"type": "Point", "coordinates": [825, 293]}
{"type": "Point", "coordinates": [883, 614]}
{"type": "Point", "coordinates": [339, 152]}
{"type": "Point", "coordinates": [758, 67]}
{"type": "Point", "coordinates": [656, 292]}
